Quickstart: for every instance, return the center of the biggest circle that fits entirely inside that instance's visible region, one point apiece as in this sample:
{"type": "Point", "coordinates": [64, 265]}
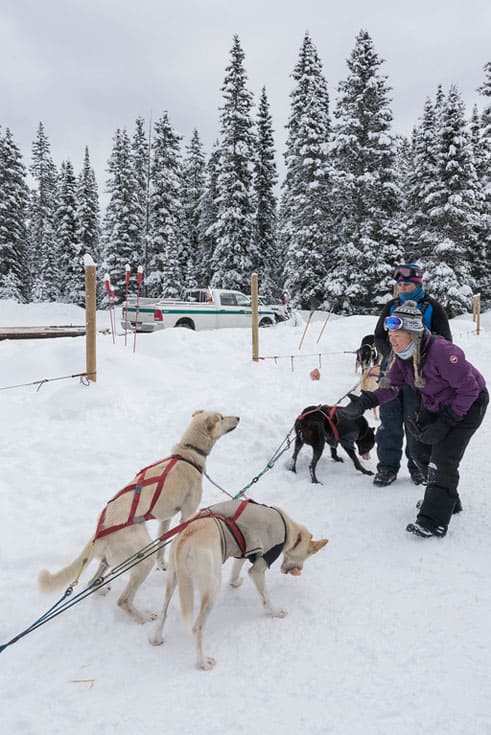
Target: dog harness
{"type": "Point", "coordinates": [254, 530]}
{"type": "Point", "coordinates": [329, 413]}
{"type": "Point", "coordinates": [136, 488]}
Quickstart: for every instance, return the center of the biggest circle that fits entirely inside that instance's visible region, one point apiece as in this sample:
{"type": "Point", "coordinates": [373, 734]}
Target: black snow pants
{"type": "Point", "coordinates": [440, 464]}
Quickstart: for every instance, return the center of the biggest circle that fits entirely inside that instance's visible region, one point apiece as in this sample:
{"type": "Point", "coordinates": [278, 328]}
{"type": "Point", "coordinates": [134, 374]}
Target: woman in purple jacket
{"type": "Point", "coordinates": [452, 402]}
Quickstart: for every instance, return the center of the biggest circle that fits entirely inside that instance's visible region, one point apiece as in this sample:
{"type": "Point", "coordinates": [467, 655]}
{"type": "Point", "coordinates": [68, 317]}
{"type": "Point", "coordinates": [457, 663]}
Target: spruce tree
{"type": "Point", "coordinates": [235, 251]}
{"type": "Point", "coordinates": [141, 164]}
{"type": "Point", "coordinates": [193, 179]}
{"type": "Point", "coordinates": [368, 199]}
{"type": "Point", "coordinates": [88, 211]}
{"type": "Point", "coordinates": [13, 233]}
{"type": "Point", "coordinates": [455, 211]}
{"type": "Point", "coordinates": [71, 279]}
{"type": "Point", "coordinates": [123, 215]}
{"type": "Point", "coordinates": [208, 217]}
{"type": "Point", "coordinates": [43, 253]}
{"type": "Point", "coordinates": [269, 265]}
{"type": "Point", "coordinates": [305, 215]}
{"type": "Point", "coordinates": [165, 255]}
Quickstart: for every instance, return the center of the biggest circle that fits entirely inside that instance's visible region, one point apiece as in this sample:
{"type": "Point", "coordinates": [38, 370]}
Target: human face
{"type": "Point", "coordinates": [406, 286]}
{"type": "Point", "coordinates": [399, 340]}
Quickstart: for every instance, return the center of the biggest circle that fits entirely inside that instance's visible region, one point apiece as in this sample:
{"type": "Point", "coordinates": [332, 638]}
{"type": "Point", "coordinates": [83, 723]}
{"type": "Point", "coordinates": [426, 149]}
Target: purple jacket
{"type": "Point", "coordinates": [450, 380]}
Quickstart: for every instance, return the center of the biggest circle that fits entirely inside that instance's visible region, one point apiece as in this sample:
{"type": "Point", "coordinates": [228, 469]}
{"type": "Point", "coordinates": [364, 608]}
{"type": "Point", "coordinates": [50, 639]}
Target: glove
{"type": "Point", "coordinates": [359, 404]}
{"type": "Point", "coordinates": [437, 430]}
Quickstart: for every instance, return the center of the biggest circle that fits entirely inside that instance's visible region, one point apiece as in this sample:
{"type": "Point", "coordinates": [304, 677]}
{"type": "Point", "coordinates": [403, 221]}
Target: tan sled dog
{"type": "Point", "coordinates": [242, 529]}
{"type": "Point", "coordinates": [166, 488]}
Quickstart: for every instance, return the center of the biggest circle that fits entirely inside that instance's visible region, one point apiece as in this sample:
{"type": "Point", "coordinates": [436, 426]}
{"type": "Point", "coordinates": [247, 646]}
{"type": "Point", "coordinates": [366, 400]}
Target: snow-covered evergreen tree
{"type": "Point", "coordinates": [123, 215]}
{"type": "Point", "coordinates": [305, 219]}
{"type": "Point", "coordinates": [208, 217]}
{"type": "Point", "coordinates": [71, 270]}
{"type": "Point", "coordinates": [13, 209]}
{"type": "Point", "coordinates": [269, 265]}
{"type": "Point", "coordinates": [424, 184]}
{"type": "Point", "coordinates": [193, 178]}
{"type": "Point", "coordinates": [141, 164]}
{"type": "Point", "coordinates": [235, 251]}
{"type": "Point", "coordinates": [456, 203]}
{"type": "Point", "coordinates": [88, 211]}
{"type": "Point", "coordinates": [368, 199]}
{"type": "Point", "coordinates": [165, 255]}
{"type": "Point", "coordinates": [43, 253]}
{"type": "Point", "coordinates": [484, 174]}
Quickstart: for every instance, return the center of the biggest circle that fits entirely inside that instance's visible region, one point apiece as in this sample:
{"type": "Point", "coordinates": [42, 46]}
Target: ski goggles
{"type": "Point", "coordinates": [406, 271]}
{"type": "Point", "coordinates": [392, 323]}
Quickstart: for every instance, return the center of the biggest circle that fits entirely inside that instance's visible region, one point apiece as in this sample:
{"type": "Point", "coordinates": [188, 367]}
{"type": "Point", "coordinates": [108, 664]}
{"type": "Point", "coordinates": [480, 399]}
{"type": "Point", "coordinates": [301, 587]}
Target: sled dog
{"type": "Point", "coordinates": [241, 529]}
{"type": "Point", "coordinates": [160, 491]}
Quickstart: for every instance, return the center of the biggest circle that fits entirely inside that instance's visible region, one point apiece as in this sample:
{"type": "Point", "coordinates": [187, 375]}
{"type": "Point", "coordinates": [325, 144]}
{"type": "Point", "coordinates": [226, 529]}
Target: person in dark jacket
{"type": "Point", "coordinates": [452, 401]}
{"type": "Point", "coordinates": [394, 415]}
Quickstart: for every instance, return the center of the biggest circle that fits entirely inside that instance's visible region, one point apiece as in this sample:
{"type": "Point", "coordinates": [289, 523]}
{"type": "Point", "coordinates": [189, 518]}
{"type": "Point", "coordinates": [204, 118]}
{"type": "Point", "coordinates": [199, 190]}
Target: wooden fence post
{"type": "Point", "coordinates": [90, 318]}
{"type": "Point", "coordinates": [255, 317]}
{"type": "Point", "coordinates": [477, 312]}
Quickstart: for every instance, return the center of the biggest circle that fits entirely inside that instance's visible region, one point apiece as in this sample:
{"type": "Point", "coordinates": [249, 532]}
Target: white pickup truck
{"type": "Point", "coordinates": [199, 308]}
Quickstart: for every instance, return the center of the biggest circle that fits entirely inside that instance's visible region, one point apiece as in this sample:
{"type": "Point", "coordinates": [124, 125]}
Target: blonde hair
{"type": "Point", "coordinates": [419, 381]}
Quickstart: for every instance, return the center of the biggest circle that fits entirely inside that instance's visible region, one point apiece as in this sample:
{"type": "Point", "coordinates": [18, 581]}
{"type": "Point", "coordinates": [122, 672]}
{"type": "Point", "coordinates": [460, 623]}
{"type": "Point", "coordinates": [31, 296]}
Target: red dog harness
{"type": "Point", "coordinates": [136, 488]}
{"type": "Point", "coordinates": [329, 413]}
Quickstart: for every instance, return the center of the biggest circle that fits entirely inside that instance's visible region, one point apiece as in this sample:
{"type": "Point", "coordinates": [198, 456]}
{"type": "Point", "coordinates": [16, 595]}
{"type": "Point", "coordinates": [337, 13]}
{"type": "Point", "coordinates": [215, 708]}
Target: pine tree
{"type": "Point", "coordinates": [368, 200]}
{"type": "Point", "coordinates": [13, 210]}
{"type": "Point", "coordinates": [305, 218]}
{"type": "Point", "coordinates": [141, 164]}
{"type": "Point", "coordinates": [123, 215]}
{"type": "Point", "coordinates": [71, 279]}
{"type": "Point", "coordinates": [88, 212]}
{"type": "Point", "coordinates": [165, 255]}
{"type": "Point", "coordinates": [193, 177]}
{"type": "Point", "coordinates": [455, 211]}
{"type": "Point", "coordinates": [424, 185]}
{"type": "Point", "coordinates": [208, 216]}
{"type": "Point", "coordinates": [44, 256]}
{"type": "Point", "coordinates": [484, 281]}
{"type": "Point", "coordinates": [235, 251]}
{"type": "Point", "coordinates": [269, 265]}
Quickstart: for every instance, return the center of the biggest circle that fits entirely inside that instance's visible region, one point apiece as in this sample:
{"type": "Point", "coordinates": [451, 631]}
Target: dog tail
{"type": "Point", "coordinates": [70, 573]}
{"type": "Point", "coordinates": [186, 596]}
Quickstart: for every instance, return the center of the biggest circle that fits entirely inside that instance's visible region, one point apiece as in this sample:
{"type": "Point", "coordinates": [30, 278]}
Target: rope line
{"type": "Point", "coordinates": [40, 383]}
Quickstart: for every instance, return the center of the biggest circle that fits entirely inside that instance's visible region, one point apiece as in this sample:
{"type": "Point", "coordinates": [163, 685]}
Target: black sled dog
{"type": "Point", "coordinates": [318, 425]}
{"type": "Point", "coordinates": [366, 354]}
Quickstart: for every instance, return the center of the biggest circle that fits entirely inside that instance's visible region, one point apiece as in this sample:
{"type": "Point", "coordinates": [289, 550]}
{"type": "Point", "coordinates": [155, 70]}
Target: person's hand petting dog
{"type": "Point", "coordinates": [359, 404]}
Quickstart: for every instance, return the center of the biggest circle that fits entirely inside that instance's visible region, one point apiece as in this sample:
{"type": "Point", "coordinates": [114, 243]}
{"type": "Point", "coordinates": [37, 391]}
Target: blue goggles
{"type": "Point", "coordinates": [392, 323]}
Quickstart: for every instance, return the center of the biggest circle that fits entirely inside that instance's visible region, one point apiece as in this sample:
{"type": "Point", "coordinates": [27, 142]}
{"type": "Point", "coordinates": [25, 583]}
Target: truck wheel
{"type": "Point", "coordinates": [186, 323]}
{"type": "Point", "coordinates": [266, 322]}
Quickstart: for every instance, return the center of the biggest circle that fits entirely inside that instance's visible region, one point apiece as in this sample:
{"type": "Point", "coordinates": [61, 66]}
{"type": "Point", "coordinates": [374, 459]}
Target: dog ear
{"type": "Point", "coordinates": [315, 546]}
{"type": "Point", "coordinates": [198, 412]}
{"type": "Point", "coordinates": [212, 421]}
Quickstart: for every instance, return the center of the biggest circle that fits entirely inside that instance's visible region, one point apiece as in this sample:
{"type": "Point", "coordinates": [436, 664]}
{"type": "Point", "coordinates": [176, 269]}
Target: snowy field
{"type": "Point", "coordinates": [387, 634]}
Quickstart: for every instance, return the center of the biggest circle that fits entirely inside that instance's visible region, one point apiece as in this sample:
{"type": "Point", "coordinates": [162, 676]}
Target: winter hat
{"type": "Point", "coordinates": [412, 320]}
{"type": "Point", "coordinates": [409, 273]}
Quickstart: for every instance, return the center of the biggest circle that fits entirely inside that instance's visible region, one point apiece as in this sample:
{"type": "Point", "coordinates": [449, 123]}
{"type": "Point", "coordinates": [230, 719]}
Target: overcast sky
{"type": "Point", "coordinates": [87, 67]}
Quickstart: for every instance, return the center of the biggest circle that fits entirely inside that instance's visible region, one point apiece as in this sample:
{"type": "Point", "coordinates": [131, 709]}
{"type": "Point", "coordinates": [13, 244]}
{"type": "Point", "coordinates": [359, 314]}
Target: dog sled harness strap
{"type": "Point", "coordinates": [136, 488]}
{"type": "Point", "coordinates": [230, 523]}
{"type": "Point", "coordinates": [329, 412]}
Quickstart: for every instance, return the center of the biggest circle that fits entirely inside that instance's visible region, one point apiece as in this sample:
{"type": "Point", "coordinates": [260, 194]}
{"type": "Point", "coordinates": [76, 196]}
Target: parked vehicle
{"type": "Point", "coordinates": [277, 306]}
{"type": "Point", "coordinates": [199, 308]}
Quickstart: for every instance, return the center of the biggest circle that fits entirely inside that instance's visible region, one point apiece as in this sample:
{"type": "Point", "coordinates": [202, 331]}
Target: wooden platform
{"type": "Point", "coordinates": [41, 332]}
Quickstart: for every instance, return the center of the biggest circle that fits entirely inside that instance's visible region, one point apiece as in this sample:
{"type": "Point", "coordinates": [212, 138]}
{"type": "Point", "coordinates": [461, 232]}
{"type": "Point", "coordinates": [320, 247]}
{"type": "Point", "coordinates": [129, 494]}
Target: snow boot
{"type": "Point", "coordinates": [418, 529]}
{"type": "Point", "coordinates": [384, 478]}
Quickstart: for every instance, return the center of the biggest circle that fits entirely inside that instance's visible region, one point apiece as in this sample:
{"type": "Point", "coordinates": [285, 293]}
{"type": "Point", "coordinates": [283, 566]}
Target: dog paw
{"type": "Point", "coordinates": [236, 582]}
{"type": "Point", "coordinates": [156, 639]}
{"type": "Point", "coordinates": [367, 472]}
{"type": "Point", "coordinates": [161, 564]}
{"type": "Point", "coordinates": [278, 613]}
{"type": "Point", "coordinates": [206, 663]}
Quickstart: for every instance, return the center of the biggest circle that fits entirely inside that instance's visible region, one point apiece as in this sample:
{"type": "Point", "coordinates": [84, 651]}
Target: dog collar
{"type": "Point", "coordinates": [196, 449]}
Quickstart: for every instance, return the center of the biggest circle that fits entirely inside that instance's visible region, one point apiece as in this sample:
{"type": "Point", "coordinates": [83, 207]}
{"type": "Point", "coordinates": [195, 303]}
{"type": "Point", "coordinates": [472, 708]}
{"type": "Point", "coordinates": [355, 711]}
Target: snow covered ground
{"type": "Point", "coordinates": [387, 634]}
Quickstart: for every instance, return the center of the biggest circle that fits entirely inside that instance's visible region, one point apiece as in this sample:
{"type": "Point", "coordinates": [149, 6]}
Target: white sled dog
{"type": "Point", "coordinates": [159, 491]}
{"type": "Point", "coordinates": [242, 529]}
